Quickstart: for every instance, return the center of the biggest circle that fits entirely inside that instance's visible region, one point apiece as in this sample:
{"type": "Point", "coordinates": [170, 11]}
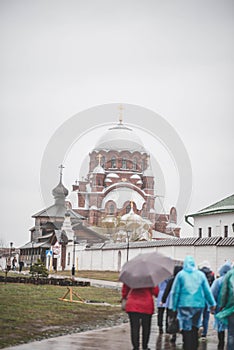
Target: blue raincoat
{"type": "Point", "coordinates": [216, 289]}
{"type": "Point", "coordinates": [227, 297]}
{"type": "Point", "coordinates": [162, 287]}
{"type": "Point", "coordinates": [191, 288]}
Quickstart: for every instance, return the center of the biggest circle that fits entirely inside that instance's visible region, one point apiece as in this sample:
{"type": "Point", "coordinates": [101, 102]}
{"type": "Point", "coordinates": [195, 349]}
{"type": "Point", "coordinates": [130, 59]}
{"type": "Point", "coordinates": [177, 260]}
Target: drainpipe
{"type": "Point", "coordinates": [186, 220]}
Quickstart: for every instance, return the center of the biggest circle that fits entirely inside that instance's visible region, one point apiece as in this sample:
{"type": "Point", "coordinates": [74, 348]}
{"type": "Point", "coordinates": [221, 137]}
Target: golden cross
{"type": "Point", "coordinates": [121, 108]}
{"type": "Point", "coordinates": [99, 157]}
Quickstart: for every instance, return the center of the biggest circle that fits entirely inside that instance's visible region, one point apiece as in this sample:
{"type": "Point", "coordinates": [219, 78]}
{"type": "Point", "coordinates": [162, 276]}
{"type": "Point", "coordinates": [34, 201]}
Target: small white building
{"type": "Point", "coordinates": [214, 220]}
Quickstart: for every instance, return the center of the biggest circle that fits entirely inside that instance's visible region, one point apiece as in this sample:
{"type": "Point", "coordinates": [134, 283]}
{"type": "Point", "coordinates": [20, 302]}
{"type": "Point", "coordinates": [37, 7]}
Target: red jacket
{"type": "Point", "coordinates": [140, 299]}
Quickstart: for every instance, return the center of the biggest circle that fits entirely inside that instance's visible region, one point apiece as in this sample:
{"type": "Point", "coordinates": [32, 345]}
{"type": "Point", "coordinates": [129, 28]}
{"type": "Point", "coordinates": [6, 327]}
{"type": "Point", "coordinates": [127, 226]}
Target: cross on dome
{"type": "Point", "coordinates": [61, 167]}
{"type": "Point", "coordinates": [121, 108]}
{"type": "Point", "coordinates": [99, 157]}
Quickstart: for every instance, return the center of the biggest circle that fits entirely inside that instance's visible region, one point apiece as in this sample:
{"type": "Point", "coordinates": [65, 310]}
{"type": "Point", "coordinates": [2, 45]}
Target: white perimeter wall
{"type": "Point", "coordinates": [113, 259]}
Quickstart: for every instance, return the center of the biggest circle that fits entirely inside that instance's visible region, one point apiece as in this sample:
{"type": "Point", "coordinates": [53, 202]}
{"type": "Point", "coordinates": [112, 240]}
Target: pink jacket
{"type": "Point", "coordinates": [140, 299]}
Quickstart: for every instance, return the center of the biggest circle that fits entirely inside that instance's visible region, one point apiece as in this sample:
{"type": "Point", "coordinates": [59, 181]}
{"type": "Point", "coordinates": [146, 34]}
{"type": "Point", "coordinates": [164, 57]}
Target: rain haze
{"type": "Point", "coordinates": [60, 58]}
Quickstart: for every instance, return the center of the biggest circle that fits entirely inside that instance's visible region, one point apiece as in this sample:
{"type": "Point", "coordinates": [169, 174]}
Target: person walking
{"type": "Point", "coordinates": [189, 293]}
{"type": "Point", "coordinates": [162, 306]}
{"type": "Point", "coordinates": [215, 289]}
{"type": "Point", "coordinates": [226, 315]}
{"type": "Point", "coordinates": [14, 260]}
{"type": "Point", "coordinates": [166, 295]}
{"type": "Point", "coordinates": [140, 308]}
{"type": "Point", "coordinates": [206, 269]}
{"type": "Point", "coordinates": [21, 265]}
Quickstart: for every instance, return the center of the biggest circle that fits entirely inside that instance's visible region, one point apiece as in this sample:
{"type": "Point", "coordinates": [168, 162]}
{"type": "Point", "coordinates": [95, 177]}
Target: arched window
{"type": "Point", "coordinates": [112, 209]}
{"type": "Point", "coordinates": [143, 164]}
{"type": "Point", "coordinates": [134, 164]}
{"type": "Point", "coordinates": [173, 215]}
{"type": "Point", "coordinates": [128, 208]}
{"type": "Point", "coordinates": [144, 211]}
{"type": "Point", "coordinates": [103, 161]}
{"type": "Point", "coordinates": [68, 258]}
{"type": "Point", "coordinates": [124, 163]}
{"type": "Point", "coordinates": [113, 162]}
{"type": "Point", "coordinates": [119, 260]}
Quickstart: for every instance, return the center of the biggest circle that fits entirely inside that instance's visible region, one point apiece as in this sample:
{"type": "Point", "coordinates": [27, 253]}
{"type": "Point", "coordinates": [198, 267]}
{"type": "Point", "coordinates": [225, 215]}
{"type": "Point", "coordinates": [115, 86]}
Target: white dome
{"type": "Point", "coordinates": [108, 180]}
{"type": "Point", "coordinates": [113, 176]}
{"type": "Point", "coordinates": [135, 176]}
{"type": "Point", "coordinates": [99, 170]}
{"type": "Point", "coordinates": [131, 216]}
{"type": "Point", "coordinates": [120, 138]}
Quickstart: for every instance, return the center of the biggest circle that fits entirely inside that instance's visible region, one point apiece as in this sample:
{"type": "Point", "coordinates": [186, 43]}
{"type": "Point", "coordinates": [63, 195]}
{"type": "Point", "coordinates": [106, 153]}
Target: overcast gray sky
{"type": "Point", "coordinates": [60, 57]}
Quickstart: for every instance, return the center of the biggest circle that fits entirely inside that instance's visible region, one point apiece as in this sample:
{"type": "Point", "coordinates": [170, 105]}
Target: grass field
{"type": "Point", "coordinates": [33, 312]}
{"type": "Point", "coordinates": [99, 275]}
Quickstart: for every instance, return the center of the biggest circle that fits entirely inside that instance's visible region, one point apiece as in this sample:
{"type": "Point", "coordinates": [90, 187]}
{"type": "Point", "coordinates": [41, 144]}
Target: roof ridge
{"type": "Point", "coordinates": [218, 202]}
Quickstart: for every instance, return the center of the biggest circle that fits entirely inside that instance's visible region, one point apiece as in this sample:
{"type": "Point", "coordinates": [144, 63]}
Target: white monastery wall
{"type": "Point", "coordinates": [206, 253]}
{"type": "Point", "coordinates": [114, 259]}
{"type": "Point", "coordinates": [180, 252]}
{"type": "Point", "coordinates": [224, 254]}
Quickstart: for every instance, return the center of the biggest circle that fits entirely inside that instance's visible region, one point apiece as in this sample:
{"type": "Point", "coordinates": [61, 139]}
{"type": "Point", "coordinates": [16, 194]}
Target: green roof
{"type": "Point", "coordinates": [226, 205]}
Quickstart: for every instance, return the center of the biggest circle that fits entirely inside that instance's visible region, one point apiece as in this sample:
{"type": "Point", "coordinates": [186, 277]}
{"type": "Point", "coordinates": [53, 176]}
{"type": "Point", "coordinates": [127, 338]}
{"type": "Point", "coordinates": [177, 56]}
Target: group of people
{"type": "Point", "coordinates": [191, 294]}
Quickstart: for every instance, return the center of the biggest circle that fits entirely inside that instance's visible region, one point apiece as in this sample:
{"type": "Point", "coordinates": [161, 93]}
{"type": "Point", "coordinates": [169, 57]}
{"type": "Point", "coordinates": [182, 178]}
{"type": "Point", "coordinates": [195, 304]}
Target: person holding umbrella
{"type": "Point", "coordinates": [140, 276]}
{"type": "Point", "coordinates": [189, 294]}
{"type": "Point", "coordinates": [140, 308]}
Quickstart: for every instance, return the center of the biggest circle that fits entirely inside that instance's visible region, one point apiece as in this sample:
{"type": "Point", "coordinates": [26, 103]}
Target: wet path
{"type": "Point", "coordinates": [115, 338]}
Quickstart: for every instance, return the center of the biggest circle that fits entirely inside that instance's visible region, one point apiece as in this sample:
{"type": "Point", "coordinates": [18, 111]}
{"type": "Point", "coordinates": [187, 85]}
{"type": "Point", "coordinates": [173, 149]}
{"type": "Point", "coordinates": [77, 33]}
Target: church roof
{"type": "Point", "coordinates": [57, 211]}
{"type": "Point", "coordinates": [120, 138]}
{"type": "Point", "coordinates": [226, 205]}
{"type": "Point", "coordinates": [45, 244]}
{"type": "Point", "coordinates": [60, 190]}
{"type": "Point", "coordinates": [85, 233]}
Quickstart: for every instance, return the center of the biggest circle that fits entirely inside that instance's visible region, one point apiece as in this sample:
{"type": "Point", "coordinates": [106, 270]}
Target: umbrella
{"type": "Point", "coordinates": [147, 270]}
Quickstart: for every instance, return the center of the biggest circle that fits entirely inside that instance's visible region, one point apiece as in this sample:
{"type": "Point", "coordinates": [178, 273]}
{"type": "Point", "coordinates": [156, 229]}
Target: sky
{"type": "Point", "coordinates": [62, 58]}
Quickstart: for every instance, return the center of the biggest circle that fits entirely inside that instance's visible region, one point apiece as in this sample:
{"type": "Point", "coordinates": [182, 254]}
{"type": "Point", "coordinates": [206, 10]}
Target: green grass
{"type": "Point", "coordinates": [33, 312]}
{"type": "Point", "coordinates": [99, 275]}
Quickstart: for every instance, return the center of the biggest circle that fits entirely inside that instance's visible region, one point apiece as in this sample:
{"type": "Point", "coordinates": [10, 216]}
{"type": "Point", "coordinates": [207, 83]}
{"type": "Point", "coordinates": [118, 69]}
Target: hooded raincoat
{"type": "Point", "coordinates": [189, 294]}
{"type": "Point", "coordinates": [191, 288]}
{"type": "Point", "coordinates": [216, 288]}
{"type": "Point", "coordinates": [226, 301]}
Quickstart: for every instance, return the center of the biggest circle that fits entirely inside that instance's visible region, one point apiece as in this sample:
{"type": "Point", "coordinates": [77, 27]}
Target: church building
{"type": "Point", "coordinates": [114, 203]}
{"type": "Point", "coordinates": [119, 176]}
